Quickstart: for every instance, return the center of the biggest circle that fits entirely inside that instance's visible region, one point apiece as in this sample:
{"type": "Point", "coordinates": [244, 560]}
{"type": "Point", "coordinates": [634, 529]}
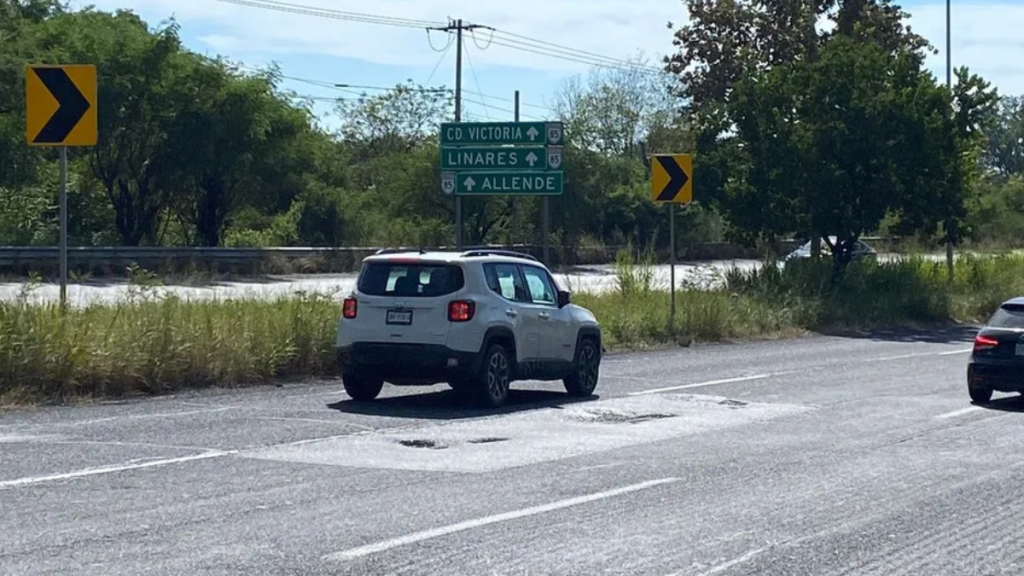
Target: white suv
{"type": "Point", "coordinates": [477, 320]}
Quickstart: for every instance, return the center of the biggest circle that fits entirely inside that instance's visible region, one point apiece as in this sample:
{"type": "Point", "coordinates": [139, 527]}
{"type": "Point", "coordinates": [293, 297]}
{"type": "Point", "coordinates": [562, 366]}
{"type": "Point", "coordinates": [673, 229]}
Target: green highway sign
{"type": "Point", "coordinates": [493, 158]}
{"type": "Point", "coordinates": [498, 133]}
{"type": "Point", "coordinates": [503, 183]}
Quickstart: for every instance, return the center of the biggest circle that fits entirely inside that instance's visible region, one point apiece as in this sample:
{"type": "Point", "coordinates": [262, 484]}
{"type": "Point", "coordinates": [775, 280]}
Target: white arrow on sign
{"type": "Point", "coordinates": [532, 159]}
{"type": "Point", "coordinates": [532, 133]}
{"type": "Point", "coordinates": [470, 183]}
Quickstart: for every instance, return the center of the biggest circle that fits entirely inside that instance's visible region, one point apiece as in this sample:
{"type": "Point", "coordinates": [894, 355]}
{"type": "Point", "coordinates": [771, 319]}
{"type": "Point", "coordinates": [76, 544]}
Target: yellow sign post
{"type": "Point", "coordinates": [60, 111]}
{"type": "Point", "coordinates": [672, 183]}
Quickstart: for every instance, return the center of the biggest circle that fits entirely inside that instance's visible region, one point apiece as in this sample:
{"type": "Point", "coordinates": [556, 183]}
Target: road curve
{"type": "Point", "coordinates": [822, 455]}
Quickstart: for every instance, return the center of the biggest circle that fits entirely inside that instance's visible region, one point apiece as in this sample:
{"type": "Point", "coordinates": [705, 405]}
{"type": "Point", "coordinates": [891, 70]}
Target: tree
{"type": "Point", "coordinates": [397, 120]}
{"type": "Point", "coordinates": [1005, 147]}
{"type": "Point", "coordinates": [613, 110]}
{"type": "Point", "coordinates": [727, 40]}
{"type": "Point", "coordinates": [130, 160]}
{"type": "Point", "coordinates": [835, 143]}
{"type": "Point", "coordinates": [238, 143]}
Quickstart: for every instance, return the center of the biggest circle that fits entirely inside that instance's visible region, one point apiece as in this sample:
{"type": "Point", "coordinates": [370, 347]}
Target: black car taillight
{"type": "Point", "coordinates": [984, 343]}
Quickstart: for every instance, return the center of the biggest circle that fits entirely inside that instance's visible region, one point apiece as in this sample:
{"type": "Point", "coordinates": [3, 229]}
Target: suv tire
{"type": "Point", "coordinates": [362, 389]}
{"type": "Point", "coordinates": [490, 390]}
{"type": "Point", "coordinates": [980, 395]}
{"type": "Point", "coordinates": [585, 371]}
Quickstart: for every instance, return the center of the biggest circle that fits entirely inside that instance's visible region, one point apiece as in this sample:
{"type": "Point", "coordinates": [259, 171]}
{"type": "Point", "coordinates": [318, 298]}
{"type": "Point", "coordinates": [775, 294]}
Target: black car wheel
{"type": "Point", "coordinates": [361, 388]}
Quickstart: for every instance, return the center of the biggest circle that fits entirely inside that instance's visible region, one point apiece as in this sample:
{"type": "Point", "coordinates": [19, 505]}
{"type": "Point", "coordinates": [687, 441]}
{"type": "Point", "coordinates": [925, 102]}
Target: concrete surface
{"type": "Point", "coordinates": [817, 456]}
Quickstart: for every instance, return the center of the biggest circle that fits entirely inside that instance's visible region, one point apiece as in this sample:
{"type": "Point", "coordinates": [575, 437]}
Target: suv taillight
{"type": "Point", "coordinates": [349, 308]}
{"type": "Point", "coordinates": [984, 343]}
{"type": "Point", "coordinates": [461, 310]}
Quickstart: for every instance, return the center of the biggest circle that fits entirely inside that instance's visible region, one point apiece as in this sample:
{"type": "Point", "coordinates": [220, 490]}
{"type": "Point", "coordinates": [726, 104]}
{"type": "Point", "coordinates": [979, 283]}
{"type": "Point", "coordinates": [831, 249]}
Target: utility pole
{"type": "Point", "coordinates": [458, 27]}
{"type": "Point", "coordinates": [949, 86]}
{"type": "Point", "coordinates": [512, 199]}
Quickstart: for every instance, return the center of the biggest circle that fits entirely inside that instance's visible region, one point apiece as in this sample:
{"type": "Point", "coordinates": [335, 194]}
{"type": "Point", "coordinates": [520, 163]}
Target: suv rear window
{"type": "Point", "coordinates": [1008, 316]}
{"type": "Point", "coordinates": [410, 279]}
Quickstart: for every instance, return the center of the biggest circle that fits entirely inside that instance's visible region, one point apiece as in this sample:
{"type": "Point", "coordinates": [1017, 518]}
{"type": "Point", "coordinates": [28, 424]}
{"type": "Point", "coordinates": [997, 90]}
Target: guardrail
{"type": "Point", "coordinates": [105, 259]}
{"type": "Point", "coordinates": [114, 259]}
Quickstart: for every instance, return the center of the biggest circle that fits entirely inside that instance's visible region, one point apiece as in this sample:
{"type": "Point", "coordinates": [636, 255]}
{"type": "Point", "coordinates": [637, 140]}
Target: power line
{"type": "Point", "coordinates": [525, 40]}
{"type": "Point", "coordinates": [475, 78]}
{"type": "Point", "coordinates": [504, 39]}
{"type": "Point", "coordinates": [333, 14]}
{"type": "Point", "coordinates": [439, 60]}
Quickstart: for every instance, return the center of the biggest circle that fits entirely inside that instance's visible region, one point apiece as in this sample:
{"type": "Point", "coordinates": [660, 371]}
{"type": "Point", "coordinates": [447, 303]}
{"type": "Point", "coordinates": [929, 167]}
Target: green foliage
{"type": "Point", "coordinates": [193, 151]}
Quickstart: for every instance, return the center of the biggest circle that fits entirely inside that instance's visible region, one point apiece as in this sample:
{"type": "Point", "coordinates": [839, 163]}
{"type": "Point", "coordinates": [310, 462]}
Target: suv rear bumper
{"type": "Point", "coordinates": [408, 363]}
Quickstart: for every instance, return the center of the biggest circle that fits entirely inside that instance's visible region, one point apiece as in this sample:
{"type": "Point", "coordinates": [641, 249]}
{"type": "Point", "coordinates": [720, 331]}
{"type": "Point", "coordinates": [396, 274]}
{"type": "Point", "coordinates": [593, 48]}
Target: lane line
{"type": "Point", "coordinates": [415, 537]}
{"type": "Point", "coordinates": [137, 417]}
{"type": "Point", "coordinates": [314, 421]}
{"type": "Point", "coordinates": [952, 352]}
{"type": "Point", "coordinates": [918, 355]}
{"type": "Point", "coordinates": [735, 561]}
{"type": "Point", "coordinates": [960, 412]}
{"type": "Point", "coordinates": [708, 383]}
{"type": "Point", "coordinates": [31, 480]}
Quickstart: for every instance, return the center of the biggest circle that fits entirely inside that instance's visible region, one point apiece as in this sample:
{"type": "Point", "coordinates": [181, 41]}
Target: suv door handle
{"type": "Point", "coordinates": [544, 316]}
{"type": "Point", "coordinates": [511, 312]}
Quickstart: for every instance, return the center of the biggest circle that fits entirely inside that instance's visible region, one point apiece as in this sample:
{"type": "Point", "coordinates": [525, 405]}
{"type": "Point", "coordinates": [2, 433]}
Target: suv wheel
{"type": "Point", "coordinates": [585, 371]}
{"type": "Point", "coordinates": [980, 395]}
{"type": "Point", "coordinates": [491, 387]}
{"type": "Point", "coordinates": [360, 388]}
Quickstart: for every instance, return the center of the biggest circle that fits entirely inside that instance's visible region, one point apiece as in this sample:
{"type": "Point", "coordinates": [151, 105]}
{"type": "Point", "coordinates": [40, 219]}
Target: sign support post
{"type": "Point", "coordinates": [672, 183]}
{"type": "Point", "coordinates": [60, 111]}
{"type": "Point", "coordinates": [672, 267]}
{"type": "Point", "coordinates": [63, 226]}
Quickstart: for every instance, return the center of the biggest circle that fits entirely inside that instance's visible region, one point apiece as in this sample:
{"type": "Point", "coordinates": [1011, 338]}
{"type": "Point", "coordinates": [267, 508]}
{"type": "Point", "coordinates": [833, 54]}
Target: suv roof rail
{"type": "Point", "coordinates": [488, 252]}
{"type": "Point", "coordinates": [399, 251]}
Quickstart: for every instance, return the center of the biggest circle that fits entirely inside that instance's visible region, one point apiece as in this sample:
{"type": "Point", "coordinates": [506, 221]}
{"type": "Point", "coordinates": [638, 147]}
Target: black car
{"type": "Point", "coordinates": [997, 361]}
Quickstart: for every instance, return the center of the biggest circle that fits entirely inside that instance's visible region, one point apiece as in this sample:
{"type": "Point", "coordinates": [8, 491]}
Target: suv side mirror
{"type": "Point", "coordinates": [563, 298]}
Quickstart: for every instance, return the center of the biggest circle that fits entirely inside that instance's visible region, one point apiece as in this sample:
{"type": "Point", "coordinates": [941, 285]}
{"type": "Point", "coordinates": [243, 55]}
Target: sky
{"type": "Point", "coordinates": [318, 53]}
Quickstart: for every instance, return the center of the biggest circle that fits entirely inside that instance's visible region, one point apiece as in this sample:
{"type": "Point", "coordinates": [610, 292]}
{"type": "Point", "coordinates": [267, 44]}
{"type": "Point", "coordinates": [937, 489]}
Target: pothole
{"type": "Point", "coordinates": [487, 440]}
{"type": "Point", "coordinates": [432, 445]}
{"type": "Point", "coordinates": [732, 403]}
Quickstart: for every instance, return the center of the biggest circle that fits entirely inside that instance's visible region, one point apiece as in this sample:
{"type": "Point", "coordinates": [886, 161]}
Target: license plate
{"type": "Point", "coordinates": [403, 317]}
{"type": "Point", "coordinates": [1020, 349]}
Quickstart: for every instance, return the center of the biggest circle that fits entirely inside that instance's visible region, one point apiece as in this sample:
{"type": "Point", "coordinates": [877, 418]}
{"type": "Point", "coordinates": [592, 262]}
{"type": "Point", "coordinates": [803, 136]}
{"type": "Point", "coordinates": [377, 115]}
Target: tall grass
{"type": "Point", "coordinates": [157, 346]}
{"type": "Point", "coordinates": [153, 345]}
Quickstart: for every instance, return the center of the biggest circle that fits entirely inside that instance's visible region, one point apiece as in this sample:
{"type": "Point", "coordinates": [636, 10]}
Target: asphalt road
{"type": "Point", "coordinates": [818, 456]}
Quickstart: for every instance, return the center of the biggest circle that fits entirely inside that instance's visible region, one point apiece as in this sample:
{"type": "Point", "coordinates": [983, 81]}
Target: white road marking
{"type": "Point", "coordinates": [415, 537]}
{"type": "Point", "coordinates": [142, 416]}
{"type": "Point", "coordinates": [918, 355]}
{"type": "Point", "coordinates": [30, 480]}
{"type": "Point", "coordinates": [763, 376]}
{"type": "Point", "coordinates": [960, 412]}
{"type": "Point", "coordinates": [314, 421]}
{"type": "Point", "coordinates": [708, 383]}
{"type": "Point", "coordinates": [952, 352]}
{"type": "Point", "coordinates": [735, 561]}
{"type": "Point", "coordinates": [600, 466]}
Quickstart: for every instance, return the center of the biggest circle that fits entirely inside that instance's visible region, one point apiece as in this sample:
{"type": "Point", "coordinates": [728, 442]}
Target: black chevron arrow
{"type": "Point", "coordinates": [72, 105]}
{"type": "Point", "coordinates": [677, 179]}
